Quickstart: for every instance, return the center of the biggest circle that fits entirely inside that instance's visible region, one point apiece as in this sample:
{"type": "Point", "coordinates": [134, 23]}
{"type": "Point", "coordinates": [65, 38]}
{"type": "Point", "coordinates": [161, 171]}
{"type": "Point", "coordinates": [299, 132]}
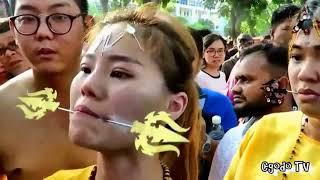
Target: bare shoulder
{"type": "Point", "coordinates": [9, 93]}
{"type": "Point", "coordinates": [9, 113]}
{"type": "Point", "coordinates": [14, 88]}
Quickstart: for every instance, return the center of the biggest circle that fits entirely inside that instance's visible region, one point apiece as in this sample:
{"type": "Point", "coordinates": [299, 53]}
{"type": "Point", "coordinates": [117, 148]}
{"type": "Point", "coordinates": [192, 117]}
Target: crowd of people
{"type": "Point", "coordinates": [252, 109]}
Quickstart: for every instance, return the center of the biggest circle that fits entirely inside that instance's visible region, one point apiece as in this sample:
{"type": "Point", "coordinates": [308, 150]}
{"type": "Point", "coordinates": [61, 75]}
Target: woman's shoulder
{"type": "Point", "coordinates": [272, 129]}
{"type": "Point", "coordinates": [200, 76]}
{"type": "Point", "coordinates": [282, 122]}
{"type": "Point", "coordinates": [75, 174]}
{"type": "Point", "coordinates": [282, 117]}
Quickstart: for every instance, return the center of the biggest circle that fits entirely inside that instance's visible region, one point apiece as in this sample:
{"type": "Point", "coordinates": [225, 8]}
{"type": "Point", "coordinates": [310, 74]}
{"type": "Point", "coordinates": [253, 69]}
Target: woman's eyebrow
{"type": "Point", "coordinates": [120, 58]}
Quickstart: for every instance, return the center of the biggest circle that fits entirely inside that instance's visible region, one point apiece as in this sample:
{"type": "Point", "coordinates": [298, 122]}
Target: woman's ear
{"type": "Point", "coordinates": [177, 104]}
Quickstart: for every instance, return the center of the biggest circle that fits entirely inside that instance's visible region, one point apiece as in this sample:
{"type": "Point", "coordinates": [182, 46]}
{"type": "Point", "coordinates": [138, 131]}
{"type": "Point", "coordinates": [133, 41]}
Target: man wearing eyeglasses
{"type": "Point", "coordinates": [50, 35]}
{"type": "Point", "coordinates": [14, 63]}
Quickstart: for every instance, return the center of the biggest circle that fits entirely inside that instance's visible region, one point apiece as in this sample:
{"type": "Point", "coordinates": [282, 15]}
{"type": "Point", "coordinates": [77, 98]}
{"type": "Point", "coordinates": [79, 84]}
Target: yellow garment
{"type": "Point", "coordinates": [76, 174]}
{"type": "Point", "coordinates": [272, 140]}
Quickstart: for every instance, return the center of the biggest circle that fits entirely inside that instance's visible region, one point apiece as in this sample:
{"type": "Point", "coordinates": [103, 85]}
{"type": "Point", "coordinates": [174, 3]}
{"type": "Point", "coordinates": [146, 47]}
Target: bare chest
{"type": "Point", "coordinates": [36, 149]}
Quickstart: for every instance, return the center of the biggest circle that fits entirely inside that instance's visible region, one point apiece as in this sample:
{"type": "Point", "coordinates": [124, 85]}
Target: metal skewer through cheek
{"type": "Point", "coordinates": [293, 92]}
{"type": "Point", "coordinates": [105, 120]}
{"type": "Point", "coordinates": [117, 123]}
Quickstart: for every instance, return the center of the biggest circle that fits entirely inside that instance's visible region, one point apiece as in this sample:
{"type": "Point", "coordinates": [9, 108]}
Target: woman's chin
{"type": "Point", "coordinates": [102, 142]}
{"type": "Point", "coordinates": [310, 110]}
{"type": "Point", "coordinates": [79, 137]}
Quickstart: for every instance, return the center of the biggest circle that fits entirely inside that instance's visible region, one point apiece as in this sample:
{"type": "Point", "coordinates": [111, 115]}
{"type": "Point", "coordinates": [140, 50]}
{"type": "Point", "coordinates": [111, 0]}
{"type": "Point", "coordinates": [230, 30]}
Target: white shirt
{"type": "Point", "coordinates": [218, 84]}
{"type": "Point", "coordinates": [226, 149]}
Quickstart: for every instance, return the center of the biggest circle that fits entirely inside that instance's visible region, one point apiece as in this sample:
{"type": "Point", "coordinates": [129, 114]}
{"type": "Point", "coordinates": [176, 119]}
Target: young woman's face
{"type": "Point", "coordinates": [124, 84]}
{"type": "Point", "coordinates": [214, 55]}
{"type": "Point", "coordinates": [304, 72]}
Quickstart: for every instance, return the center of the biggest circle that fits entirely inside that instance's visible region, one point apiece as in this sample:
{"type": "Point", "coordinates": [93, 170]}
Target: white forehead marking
{"type": "Point", "coordinates": [102, 41]}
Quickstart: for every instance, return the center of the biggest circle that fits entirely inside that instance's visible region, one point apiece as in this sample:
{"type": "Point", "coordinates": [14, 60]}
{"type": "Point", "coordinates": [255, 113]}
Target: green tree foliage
{"type": "Point", "coordinates": [236, 11]}
{"type": "Point", "coordinates": [250, 16]}
{"type": "Point", "coordinates": [118, 4]}
{"type": "Point", "coordinates": [104, 4]}
{"type": "Point", "coordinates": [203, 24]}
{"type": "Point", "coordinates": [200, 24]}
{"type": "Point", "coordinates": [183, 20]}
{"type": "Point", "coordinates": [171, 6]}
{"type": "Point", "coordinates": [163, 3]}
{"type": "Point", "coordinates": [260, 22]}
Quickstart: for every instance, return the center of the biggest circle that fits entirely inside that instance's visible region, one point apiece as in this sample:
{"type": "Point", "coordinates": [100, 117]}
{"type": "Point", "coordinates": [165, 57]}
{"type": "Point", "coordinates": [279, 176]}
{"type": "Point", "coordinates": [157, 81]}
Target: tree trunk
{"type": "Point", "coordinates": [5, 11]}
{"type": "Point", "coordinates": [104, 4]}
{"type": "Point", "coordinates": [155, 1]}
{"type": "Point", "coordinates": [237, 14]}
{"type": "Point", "coordinates": [233, 21]}
{"type": "Point", "coordinates": [8, 10]}
{"type": "Point", "coordinates": [238, 23]}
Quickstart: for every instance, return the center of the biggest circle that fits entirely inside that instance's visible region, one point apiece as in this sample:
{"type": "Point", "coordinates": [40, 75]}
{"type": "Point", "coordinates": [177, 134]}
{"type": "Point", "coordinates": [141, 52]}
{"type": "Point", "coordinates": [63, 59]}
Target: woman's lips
{"type": "Point", "coordinates": [308, 92]}
{"type": "Point", "coordinates": [86, 110]}
{"type": "Point", "coordinates": [308, 95]}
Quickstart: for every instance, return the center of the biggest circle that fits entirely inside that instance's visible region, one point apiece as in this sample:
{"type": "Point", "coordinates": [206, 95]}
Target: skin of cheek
{"type": "Point", "coordinates": [292, 73]}
{"type": "Point", "coordinates": [310, 109]}
{"type": "Point", "coordinates": [123, 104]}
{"type": "Point", "coordinates": [253, 93]}
{"type": "Point", "coordinates": [133, 103]}
{"type": "Point", "coordinates": [141, 100]}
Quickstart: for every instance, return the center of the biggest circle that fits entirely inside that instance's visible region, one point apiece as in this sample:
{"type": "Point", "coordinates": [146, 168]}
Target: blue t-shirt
{"type": "Point", "coordinates": [217, 104]}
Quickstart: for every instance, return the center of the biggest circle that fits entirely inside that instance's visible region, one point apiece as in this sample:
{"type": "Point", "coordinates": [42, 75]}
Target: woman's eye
{"type": "Point", "coordinates": [86, 70]}
{"type": "Point", "coordinates": [120, 75]}
{"type": "Point", "coordinates": [295, 57]}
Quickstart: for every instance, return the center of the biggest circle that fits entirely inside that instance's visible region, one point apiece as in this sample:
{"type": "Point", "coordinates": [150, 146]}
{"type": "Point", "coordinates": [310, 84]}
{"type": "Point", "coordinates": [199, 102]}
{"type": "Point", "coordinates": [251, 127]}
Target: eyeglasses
{"type": "Point", "coordinates": [58, 23]}
{"type": "Point", "coordinates": [214, 52]}
{"type": "Point", "coordinates": [12, 46]}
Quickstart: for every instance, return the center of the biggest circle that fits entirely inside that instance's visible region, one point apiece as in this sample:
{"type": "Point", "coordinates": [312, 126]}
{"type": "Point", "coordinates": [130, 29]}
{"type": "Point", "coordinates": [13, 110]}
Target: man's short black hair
{"type": "Point", "coordinates": [283, 13]}
{"type": "Point", "coordinates": [277, 57]}
{"type": "Point", "coordinates": [4, 26]}
{"type": "Point", "coordinates": [198, 36]}
{"type": "Point", "coordinates": [82, 4]}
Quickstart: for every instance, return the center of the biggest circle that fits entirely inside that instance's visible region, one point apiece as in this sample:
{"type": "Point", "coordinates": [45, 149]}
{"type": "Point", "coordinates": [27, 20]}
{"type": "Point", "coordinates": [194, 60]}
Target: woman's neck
{"type": "Point", "coordinates": [312, 128]}
{"type": "Point", "coordinates": [128, 166]}
{"type": "Point", "coordinates": [213, 71]}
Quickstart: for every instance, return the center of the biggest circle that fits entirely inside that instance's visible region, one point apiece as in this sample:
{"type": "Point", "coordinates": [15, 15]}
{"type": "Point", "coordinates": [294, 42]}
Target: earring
{"type": "Point", "coordinates": [273, 93]}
